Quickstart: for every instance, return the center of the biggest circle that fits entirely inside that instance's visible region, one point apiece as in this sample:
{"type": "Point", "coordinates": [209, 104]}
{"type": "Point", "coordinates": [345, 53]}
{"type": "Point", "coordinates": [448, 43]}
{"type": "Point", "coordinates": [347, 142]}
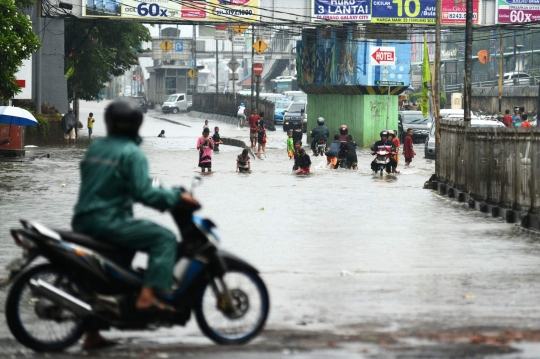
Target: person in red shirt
{"type": "Point", "coordinates": [525, 120]}
{"type": "Point", "coordinates": [253, 128]}
{"type": "Point", "coordinates": [392, 137]}
{"type": "Point", "coordinates": [408, 148]}
{"type": "Point", "coordinates": [507, 120]}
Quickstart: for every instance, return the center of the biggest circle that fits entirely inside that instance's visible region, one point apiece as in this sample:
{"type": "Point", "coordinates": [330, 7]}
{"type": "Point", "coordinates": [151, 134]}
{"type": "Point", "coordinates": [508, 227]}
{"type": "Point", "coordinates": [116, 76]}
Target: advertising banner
{"type": "Point", "coordinates": [453, 12]}
{"type": "Point", "coordinates": [517, 11]}
{"type": "Point", "coordinates": [163, 10]}
{"type": "Point", "coordinates": [393, 11]}
{"type": "Point", "coordinates": [404, 11]}
{"type": "Point", "coordinates": [343, 10]}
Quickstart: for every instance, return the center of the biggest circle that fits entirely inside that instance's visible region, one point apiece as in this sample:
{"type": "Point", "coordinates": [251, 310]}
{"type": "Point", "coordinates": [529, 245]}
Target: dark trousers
{"type": "Point", "coordinates": [389, 165]}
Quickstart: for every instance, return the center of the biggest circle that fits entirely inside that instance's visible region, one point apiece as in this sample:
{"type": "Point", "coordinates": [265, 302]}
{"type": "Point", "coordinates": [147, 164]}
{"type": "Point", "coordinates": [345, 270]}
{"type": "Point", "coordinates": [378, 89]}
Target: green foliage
{"type": "Point", "coordinates": [98, 49]}
{"type": "Point", "coordinates": [18, 42]}
{"type": "Point", "coordinates": [418, 96]}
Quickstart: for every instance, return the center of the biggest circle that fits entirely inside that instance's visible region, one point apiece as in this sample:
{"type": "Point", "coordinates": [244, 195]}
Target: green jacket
{"type": "Point", "coordinates": [115, 175]}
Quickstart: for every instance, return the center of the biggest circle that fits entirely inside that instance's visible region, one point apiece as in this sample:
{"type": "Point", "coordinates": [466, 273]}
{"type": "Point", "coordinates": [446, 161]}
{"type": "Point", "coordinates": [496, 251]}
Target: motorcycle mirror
{"type": "Point", "coordinates": [156, 182]}
{"type": "Point", "coordinates": [196, 182]}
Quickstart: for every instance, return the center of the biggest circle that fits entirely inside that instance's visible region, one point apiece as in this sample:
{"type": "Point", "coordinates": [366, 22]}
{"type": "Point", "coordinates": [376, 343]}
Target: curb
{"type": "Point", "coordinates": [523, 220]}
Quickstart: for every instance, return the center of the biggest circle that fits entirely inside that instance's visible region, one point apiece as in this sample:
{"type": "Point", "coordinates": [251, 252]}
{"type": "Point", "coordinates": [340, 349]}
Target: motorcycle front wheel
{"type": "Point", "coordinates": [250, 307]}
{"type": "Point", "coordinates": [35, 321]}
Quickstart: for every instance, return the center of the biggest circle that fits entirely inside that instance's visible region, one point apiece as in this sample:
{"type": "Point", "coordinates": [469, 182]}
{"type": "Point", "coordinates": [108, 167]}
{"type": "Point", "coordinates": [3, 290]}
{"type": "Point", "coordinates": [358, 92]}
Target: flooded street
{"type": "Point", "coordinates": [356, 266]}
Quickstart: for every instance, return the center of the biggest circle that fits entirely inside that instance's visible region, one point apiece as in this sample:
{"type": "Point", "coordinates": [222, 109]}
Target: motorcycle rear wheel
{"type": "Point", "coordinates": [25, 312]}
{"type": "Point", "coordinates": [250, 300]}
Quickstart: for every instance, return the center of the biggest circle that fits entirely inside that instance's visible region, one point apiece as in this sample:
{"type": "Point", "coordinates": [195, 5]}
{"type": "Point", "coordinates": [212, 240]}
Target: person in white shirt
{"type": "Point", "coordinates": [241, 114]}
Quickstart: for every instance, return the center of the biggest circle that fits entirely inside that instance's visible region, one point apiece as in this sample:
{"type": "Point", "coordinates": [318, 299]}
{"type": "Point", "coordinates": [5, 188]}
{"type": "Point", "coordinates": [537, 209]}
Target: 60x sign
{"type": "Point", "coordinates": [151, 10]}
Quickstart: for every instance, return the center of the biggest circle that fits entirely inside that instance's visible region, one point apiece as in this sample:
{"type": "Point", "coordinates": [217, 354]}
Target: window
{"type": "Point", "coordinates": [181, 98]}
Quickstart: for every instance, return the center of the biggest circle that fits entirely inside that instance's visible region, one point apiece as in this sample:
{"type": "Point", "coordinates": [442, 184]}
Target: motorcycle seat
{"type": "Point", "coordinates": [114, 252]}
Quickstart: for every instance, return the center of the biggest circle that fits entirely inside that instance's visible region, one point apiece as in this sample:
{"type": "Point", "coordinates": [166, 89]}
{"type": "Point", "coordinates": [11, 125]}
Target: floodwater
{"type": "Point", "coordinates": [341, 251]}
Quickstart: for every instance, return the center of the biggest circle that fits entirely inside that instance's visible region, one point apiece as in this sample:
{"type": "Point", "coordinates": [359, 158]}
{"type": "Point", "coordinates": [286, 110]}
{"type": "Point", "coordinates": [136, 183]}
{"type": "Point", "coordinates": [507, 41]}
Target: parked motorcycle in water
{"type": "Point", "coordinates": [90, 284]}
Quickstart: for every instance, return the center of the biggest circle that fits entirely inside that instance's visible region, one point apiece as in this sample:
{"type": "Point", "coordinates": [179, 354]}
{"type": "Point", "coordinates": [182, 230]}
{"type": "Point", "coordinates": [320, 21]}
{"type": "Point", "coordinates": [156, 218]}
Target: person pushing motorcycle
{"type": "Point", "coordinates": [384, 144]}
{"type": "Point", "coordinates": [115, 175]}
{"type": "Point", "coordinates": [320, 132]}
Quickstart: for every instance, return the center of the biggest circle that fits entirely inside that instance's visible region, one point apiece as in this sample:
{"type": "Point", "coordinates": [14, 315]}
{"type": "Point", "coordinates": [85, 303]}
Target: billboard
{"type": "Point", "coordinates": [517, 11]}
{"type": "Point", "coordinates": [345, 63]}
{"type": "Point", "coordinates": [163, 10]}
{"type": "Point", "coordinates": [392, 11]}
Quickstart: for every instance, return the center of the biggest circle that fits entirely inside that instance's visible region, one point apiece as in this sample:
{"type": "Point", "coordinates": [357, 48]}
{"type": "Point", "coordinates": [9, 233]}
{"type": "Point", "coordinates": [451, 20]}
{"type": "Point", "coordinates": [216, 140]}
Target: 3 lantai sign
{"type": "Point", "coordinates": [392, 11]}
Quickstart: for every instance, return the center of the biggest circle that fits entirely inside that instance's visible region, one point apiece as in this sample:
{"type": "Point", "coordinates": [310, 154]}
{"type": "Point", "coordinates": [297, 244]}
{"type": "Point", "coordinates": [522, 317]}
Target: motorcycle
{"type": "Point", "coordinates": [381, 161]}
{"type": "Point", "coordinates": [240, 121]}
{"type": "Point", "coordinates": [320, 148]}
{"type": "Point", "coordinates": [90, 284]}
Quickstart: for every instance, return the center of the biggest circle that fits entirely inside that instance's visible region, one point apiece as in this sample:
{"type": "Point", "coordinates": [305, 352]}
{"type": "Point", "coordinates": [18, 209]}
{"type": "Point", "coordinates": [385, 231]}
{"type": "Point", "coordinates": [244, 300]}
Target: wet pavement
{"type": "Point", "coordinates": [357, 266]}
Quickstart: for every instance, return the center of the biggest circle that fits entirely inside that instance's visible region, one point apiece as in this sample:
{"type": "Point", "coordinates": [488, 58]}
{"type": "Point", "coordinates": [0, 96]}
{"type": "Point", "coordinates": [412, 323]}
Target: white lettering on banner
{"type": "Point", "coordinates": [357, 9]}
{"type": "Point", "coordinates": [344, 17]}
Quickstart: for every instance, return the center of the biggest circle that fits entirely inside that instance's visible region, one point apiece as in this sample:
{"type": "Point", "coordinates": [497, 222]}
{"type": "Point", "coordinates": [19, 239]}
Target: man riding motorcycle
{"type": "Point", "coordinates": [319, 133]}
{"type": "Point", "coordinates": [384, 145]}
{"type": "Point", "coordinates": [115, 175]}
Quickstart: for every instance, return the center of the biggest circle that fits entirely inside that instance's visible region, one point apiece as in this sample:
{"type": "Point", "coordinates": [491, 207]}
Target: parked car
{"type": "Point", "coordinates": [430, 150]}
{"type": "Point", "coordinates": [279, 110]}
{"type": "Point", "coordinates": [416, 121]}
{"type": "Point", "coordinates": [141, 101]}
{"type": "Point", "coordinates": [518, 78]}
{"type": "Point", "coordinates": [294, 115]}
{"type": "Point", "coordinates": [175, 103]}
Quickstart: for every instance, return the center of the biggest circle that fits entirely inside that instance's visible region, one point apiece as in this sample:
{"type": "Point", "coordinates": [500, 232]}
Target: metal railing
{"type": "Point", "coordinates": [495, 165]}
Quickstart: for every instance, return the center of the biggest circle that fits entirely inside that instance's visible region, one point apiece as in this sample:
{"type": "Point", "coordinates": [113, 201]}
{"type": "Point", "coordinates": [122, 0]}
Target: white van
{"type": "Point", "coordinates": [175, 103]}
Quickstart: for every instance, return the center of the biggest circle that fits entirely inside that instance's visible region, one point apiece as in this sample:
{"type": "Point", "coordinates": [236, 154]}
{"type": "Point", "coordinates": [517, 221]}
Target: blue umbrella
{"type": "Point", "coordinates": [16, 116]}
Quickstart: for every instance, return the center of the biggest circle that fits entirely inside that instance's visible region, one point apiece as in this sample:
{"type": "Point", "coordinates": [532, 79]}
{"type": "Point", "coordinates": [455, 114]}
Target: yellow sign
{"type": "Point", "coordinates": [239, 29]}
{"type": "Point", "coordinates": [166, 45]}
{"type": "Point", "coordinates": [260, 46]}
{"type": "Point", "coordinates": [192, 73]}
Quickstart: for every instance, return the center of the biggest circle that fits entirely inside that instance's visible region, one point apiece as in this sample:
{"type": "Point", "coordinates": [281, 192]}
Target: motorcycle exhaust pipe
{"type": "Point", "coordinates": [61, 298]}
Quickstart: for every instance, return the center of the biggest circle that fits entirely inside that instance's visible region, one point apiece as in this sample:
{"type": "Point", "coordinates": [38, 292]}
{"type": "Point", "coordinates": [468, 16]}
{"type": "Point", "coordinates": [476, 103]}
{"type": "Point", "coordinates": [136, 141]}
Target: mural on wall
{"type": "Point", "coordinates": [331, 62]}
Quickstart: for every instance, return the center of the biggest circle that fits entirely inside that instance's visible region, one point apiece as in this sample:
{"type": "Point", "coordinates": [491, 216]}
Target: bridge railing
{"type": "Point", "coordinates": [224, 104]}
{"type": "Point", "coordinates": [498, 166]}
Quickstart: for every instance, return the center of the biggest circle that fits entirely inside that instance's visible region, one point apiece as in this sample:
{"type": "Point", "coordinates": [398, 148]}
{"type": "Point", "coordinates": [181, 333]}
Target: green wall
{"type": "Point", "coordinates": [365, 115]}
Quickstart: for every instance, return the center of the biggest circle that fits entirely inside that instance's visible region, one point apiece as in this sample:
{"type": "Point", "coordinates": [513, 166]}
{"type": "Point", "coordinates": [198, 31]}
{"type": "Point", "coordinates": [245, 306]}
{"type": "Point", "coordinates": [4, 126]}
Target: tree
{"type": "Point", "coordinates": [18, 43]}
{"type": "Point", "coordinates": [97, 49]}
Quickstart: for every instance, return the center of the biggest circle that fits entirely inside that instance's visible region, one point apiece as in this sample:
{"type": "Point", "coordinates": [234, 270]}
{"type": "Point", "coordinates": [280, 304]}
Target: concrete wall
{"type": "Point", "coordinates": [365, 115]}
{"type": "Point", "coordinates": [53, 81]}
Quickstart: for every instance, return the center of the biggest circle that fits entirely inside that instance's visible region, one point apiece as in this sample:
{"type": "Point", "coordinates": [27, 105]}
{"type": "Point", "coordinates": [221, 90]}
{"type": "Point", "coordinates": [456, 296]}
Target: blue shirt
{"type": "Point", "coordinates": [334, 149]}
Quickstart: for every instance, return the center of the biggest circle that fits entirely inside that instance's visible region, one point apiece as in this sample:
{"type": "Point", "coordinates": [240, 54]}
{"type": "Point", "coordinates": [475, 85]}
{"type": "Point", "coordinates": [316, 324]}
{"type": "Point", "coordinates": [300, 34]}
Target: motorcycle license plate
{"type": "Point", "coordinates": [381, 159]}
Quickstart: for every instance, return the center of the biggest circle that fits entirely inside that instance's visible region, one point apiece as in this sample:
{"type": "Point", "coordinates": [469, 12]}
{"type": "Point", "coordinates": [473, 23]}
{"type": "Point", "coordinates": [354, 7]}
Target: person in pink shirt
{"type": "Point", "coordinates": [205, 145]}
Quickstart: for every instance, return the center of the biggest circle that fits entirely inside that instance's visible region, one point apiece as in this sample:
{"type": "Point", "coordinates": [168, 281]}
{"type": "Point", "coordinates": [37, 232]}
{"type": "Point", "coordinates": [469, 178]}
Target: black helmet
{"type": "Point", "coordinates": [70, 110]}
{"type": "Point", "coordinates": [384, 133]}
{"type": "Point", "coordinates": [320, 121]}
{"type": "Point", "coordinates": [123, 118]}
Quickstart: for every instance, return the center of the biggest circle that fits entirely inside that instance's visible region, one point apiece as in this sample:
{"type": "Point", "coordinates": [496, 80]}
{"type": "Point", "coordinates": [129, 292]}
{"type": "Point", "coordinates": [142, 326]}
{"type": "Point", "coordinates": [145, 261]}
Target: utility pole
{"type": "Point", "coordinates": [501, 55]}
{"type": "Point", "coordinates": [252, 60]}
{"type": "Point", "coordinates": [194, 60]}
{"type": "Point", "coordinates": [37, 63]}
{"type": "Point", "coordinates": [233, 82]}
{"type": "Point", "coordinates": [468, 63]}
{"type": "Point", "coordinates": [437, 80]}
{"type": "Point", "coordinates": [217, 69]}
